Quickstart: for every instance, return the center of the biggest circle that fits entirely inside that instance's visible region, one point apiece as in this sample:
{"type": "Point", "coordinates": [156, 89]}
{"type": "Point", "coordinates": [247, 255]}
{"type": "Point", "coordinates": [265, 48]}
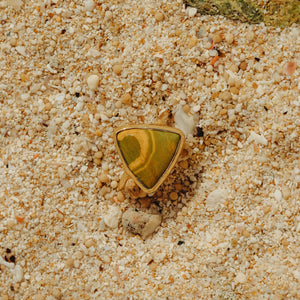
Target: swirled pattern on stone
{"type": "Point", "coordinates": [149, 153]}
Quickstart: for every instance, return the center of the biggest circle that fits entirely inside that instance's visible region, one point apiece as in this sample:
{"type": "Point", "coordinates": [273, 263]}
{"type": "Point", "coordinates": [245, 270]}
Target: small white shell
{"type": "Point", "coordinates": [184, 122]}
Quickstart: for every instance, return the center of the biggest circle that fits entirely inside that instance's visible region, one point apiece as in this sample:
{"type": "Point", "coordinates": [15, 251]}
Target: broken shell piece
{"type": "Point", "coordinates": [184, 122]}
{"type": "Point", "coordinates": [141, 223]}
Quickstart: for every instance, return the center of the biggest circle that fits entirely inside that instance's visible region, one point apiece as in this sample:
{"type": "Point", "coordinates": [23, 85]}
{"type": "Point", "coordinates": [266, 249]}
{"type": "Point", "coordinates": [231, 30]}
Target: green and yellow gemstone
{"type": "Point", "coordinates": [149, 152]}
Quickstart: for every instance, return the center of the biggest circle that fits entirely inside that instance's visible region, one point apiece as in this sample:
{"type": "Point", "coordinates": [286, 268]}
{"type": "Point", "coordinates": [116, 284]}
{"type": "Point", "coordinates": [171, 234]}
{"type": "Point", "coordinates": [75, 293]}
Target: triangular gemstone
{"type": "Point", "coordinates": [149, 152]}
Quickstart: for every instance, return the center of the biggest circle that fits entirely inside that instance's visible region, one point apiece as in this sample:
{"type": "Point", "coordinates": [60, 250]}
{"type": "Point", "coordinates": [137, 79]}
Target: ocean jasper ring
{"type": "Point", "coordinates": [148, 152]}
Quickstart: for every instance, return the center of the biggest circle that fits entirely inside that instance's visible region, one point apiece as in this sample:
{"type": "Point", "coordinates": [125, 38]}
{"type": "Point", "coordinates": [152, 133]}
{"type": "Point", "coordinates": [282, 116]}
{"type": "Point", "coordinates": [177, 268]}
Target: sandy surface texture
{"type": "Point", "coordinates": [225, 224]}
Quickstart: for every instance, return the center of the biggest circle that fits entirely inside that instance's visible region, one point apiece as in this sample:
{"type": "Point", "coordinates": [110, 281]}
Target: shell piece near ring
{"type": "Point", "coordinates": [149, 152]}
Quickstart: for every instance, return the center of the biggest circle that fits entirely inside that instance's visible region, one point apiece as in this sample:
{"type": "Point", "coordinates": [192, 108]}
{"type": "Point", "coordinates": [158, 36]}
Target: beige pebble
{"type": "Point", "coordinates": [225, 95]}
{"type": "Point", "coordinates": [234, 90]}
{"type": "Point", "coordinates": [173, 196]}
{"type": "Point", "coordinates": [183, 164]}
{"type": "Point", "coordinates": [229, 38]}
{"type": "Point", "coordinates": [243, 65]}
{"type": "Point", "coordinates": [117, 69]}
{"type": "Point", "coordinates": [159, 16]}
{"type": "Point", "coordinates": [67, 221]}
{"type": "Point", "coordinates": [103, 178]}
{"type": "Point", "coordinates": [114, 184]}
{"type": "Point", "coordinates": [140, 223]}
{"type": "Point", "coordinates": [78, 255]}
{"type": "Point", "coordinates": [217, 38]}
{"type": "Point", "coordinates": [120, 196]}
{"type": "Point", "coordinates": [98, 132]}
{"type": "Point", "coordinates": [104, 191]}
{"type": "Point", "coordinates": [286, 192]}
{"type": "Point", "coordinates": [112, 217]}
{"type": "Point", "coordinates": [208, 81]}
{"type": "Point", "coordinates": [98, 154]}
{"type": "Point", "coordinates": [93, 81]}
{"type": "Point", "coordinates": [48, 106]}
{"type": "Point", "coordinates": [192, 42]}
{"type": "Point", "coordinates": [126, 98]}
{"type": "Point", "coordinates": [69, 262]}
{"type": "Point", "coordinates": [89, 243]}
{"type": "Point", "coordinates": [234, 68]}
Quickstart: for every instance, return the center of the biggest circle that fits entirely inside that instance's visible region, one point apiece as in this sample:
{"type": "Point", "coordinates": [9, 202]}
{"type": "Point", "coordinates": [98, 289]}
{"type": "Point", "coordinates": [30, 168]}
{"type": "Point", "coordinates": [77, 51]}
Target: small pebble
{"type": "Point", "coordinates": [217, 38]}
{"type": "Point", "coordinates": [103, 178]}
{"type": "Point", "coordinates": [126, 98]}
{"type": "Point", "coordinates": [89, 243]}
{"type": "Point", "coordinates": [117, 69]}
{"type": "Point", "coordinates": [173, 196]}
{"type": "Point", "coordinates": [120, 196]}
{"type": "Point", "coordinates": [290, 68]}
{"type": "Point", "coordinates": [191, 11]}
{"type": "Point", "coordinates": [286, 192]}
{"type": "Point", "coordinates": [98, 155]}
{"type": "Point", "coordinates": [229, 38]}
{"type": "Point", "coordinates": [98, 132]}
{"type": "Point", "coordinates": [140, 223]}
{"type": "Point", "coordinates": [69, 262]}
{"type": "Point", "coordinates": [21, 50]}
{"type": "Point", "coordinates": [184, 122]}
{"type": "Point", "coordinates": [112, 218]}
{"type": "Point", "coordinates": [159, 16]}
{"type": "Point", "coordinates": [215, 198]}
{"type": "Point", "coordinates": [184, 164]}
{"type": "Point", "coordinates": [278, 195]}
{"type": "Point", "coordinates": [259, 139]}
{"type": "Point", "coordinates": [240, 277]}
{"type": "Point", "coordinates": [243, 65]}
{"type": "Point", "coordinates": [89, 5]}
{"type": "Point", "coordinates": [192, 42]}
{"type": "Point", "coordinates": [93, 82]}
{"type": "Point", "coordinates": [114, 184]}
{"type": "Point", "coordinates": [18, 274]}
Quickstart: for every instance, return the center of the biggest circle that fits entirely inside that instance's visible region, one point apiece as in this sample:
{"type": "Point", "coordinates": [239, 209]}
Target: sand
{"type": "Point", "coordinates": [73, 71]}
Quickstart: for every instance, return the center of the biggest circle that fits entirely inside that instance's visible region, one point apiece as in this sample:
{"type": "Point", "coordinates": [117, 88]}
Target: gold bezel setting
{"type": "Point", "coordinates": [171, 163]}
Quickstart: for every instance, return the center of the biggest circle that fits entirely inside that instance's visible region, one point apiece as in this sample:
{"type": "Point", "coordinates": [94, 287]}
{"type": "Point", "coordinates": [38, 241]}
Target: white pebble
{"type": "Point", "coordinates": [184, 122]}
{"type": "Point", "coordinates": [215, 198]}
{"type": "Point", "coordinates": [164, 87]}
{"type": "Point", "coordinates": [259, 139]}
{"type": "Point", "coordinates": [93, 53]}
{"type": "Point", "coordinates": [21, 50]}
{"type": "Point", "coordinates": [240, 277]}
{"type": "Point", "coordinates": [18, 274]}
{"type": "Point", "coordinates": [141, 223]}
{"type": "Point", "coordinates": [191, 11]}
{"type": "Point", "coordinates": [278, 195]}
{"type": "Point", "coordinates": [25, 97]}
{"type": "Point", "coordinates": [89, 5]}
{"type": "Point", "coordinates": [112, 218]}
{"type": "Point", "coordinates": [93, 81]}
{"type": "Point", "coordinates": [60, 98]}
{"type": "Point", "coordinates": [229, 38]}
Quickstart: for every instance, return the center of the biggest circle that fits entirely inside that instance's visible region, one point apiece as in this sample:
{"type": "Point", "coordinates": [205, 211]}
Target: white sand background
{"type": "Point", "coordinates": [230, 209]}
